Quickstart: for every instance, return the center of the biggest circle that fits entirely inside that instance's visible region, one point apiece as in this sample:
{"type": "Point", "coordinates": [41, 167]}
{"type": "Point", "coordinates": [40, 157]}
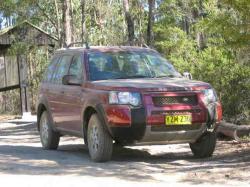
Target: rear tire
{"type": "Point", "coordinates": [204, 146]}
{"type": "Point", "coordinates": [100, 143]}
{"type": "Point", "coordinates": [49, 138]}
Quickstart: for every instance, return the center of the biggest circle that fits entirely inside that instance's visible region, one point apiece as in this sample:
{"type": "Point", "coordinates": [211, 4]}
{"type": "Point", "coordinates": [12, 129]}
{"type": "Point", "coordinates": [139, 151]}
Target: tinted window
{"type": "Point", "coordinates": [62, 69]}
{"type": "Point", "coordinates": [50, 70]}
{"type": "Point", "coordinates": [76, 67]}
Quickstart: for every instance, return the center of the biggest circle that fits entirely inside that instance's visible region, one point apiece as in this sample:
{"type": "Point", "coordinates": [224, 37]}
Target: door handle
{"type": "Point", "coordinates": [62, 92]}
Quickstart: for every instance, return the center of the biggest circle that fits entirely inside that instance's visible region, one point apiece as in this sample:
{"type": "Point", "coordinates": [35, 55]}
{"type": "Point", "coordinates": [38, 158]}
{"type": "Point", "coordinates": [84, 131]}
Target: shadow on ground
{"type": "Point", "coordinates": [21, 153]}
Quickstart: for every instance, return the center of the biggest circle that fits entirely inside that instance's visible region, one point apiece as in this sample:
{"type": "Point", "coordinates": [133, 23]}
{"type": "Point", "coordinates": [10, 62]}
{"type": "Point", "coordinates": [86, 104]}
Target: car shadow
{"type": "Point", "coordinates": [23, 155]}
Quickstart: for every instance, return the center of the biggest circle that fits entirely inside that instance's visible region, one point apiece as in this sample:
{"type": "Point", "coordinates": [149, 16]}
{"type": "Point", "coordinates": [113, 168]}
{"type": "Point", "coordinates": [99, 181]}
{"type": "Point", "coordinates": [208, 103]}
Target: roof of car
{"type": "Point", "coordinates": [105, 49]}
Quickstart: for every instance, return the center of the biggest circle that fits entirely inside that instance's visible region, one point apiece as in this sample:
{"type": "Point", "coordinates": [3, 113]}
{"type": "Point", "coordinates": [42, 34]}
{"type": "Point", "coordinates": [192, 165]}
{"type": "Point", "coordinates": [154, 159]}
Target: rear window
{"type": "Point", "coordinates": [62, 69]}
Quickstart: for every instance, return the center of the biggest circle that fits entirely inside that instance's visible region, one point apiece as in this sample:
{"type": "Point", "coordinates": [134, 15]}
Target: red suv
{"type": "Point", "coordinates": [127, 95]}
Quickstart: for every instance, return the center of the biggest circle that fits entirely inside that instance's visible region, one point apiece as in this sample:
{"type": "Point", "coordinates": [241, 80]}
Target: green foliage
{"type": "Point", "coordinates": [225, 60]}
{"type": "Point", "coordinates": [102, 26]}
{"type": "Point", "coordinates": [176, 46]}
{"type": "Point", "coordinates": [218, 67]}
{"type": "Point", "coordinates": [18, 48]}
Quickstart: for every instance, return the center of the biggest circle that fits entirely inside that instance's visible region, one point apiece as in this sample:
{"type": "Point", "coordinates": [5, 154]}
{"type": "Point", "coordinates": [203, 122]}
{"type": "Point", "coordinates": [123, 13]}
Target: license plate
{"type": "Point", "coordinates": [178, 120]}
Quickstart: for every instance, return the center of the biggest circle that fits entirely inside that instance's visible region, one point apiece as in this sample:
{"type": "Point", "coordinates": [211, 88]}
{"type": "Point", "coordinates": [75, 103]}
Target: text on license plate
{"type": "Point", "coordinates": [178, 120]}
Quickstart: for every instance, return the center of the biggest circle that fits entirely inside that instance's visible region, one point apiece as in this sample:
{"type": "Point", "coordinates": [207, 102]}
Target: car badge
{"type": "Point", "coordinates": [185, 99]}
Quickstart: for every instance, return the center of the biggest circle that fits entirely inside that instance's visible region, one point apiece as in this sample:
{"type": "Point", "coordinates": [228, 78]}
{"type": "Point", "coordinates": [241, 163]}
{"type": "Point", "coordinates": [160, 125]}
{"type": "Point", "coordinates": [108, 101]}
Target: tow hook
{"type": "Point", "coordinates": [211, 128]}
{"type": "Point", "coordinates": [211, 114]}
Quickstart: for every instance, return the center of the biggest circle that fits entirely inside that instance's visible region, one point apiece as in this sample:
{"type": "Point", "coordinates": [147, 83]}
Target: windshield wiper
{"type": "Point", "coordinates": [133, 76]}
{"type": "Point", "coordinates": [163, 76]}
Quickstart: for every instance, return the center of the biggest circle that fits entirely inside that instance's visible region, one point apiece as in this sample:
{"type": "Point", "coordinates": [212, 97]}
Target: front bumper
{"type": "Point", "coordinates": [182, 136]}
{"type": "Point", "coordinates": [133, 131]}
{"type": "Point", "coordinates": [129, 125]}
{"type": "Point", "coordinates": [138, 132]}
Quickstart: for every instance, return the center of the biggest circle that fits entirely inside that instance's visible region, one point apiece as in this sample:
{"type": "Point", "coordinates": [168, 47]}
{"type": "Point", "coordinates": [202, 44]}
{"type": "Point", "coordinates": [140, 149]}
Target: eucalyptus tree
{"type": "Point", "coordinates": [151, 5]}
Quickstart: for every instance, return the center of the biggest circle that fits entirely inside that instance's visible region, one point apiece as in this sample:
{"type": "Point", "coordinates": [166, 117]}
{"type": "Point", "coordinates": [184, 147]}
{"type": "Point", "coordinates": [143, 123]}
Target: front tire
{"type": "Point", "coordinates": [49, 138]}
{"type": "Point", "coordinates": [204, 146]}
{"type": "Point", "coordinates": [100, 143]}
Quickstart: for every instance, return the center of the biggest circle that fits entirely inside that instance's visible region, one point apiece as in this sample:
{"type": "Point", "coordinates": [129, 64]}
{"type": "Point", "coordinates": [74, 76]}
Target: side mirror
{"type": "Point", "coordinates": [187, 75]}
{"type": "Point", "coordinates": [71, 80]}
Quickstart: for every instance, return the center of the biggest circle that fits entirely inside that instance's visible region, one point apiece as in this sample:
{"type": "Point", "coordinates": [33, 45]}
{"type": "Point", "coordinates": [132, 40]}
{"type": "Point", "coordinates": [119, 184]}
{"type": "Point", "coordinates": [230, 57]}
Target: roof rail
{"type": "Point", "coordinates": [73, 43]}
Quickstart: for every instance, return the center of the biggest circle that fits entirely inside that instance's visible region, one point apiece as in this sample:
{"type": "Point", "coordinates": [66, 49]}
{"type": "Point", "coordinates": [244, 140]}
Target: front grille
{"type": "Point", "coordinates": [169, 128]}
{"type": "Point", "coordinates": [175, 112]}
{"type": "Point", "coordinates": [167, 100]}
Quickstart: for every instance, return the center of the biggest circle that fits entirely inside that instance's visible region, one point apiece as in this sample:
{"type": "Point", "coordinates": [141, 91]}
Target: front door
{"type": "Point", "coordinates": [73, 98]}
{"type": "Point", "coordinates": [57, 91]}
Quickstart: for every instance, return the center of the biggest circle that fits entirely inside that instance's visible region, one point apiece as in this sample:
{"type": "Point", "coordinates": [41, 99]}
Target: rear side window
{"type": "Point", "coordinates": [62, 69]}
{"type": "Point", "coordinates": [50, 70]}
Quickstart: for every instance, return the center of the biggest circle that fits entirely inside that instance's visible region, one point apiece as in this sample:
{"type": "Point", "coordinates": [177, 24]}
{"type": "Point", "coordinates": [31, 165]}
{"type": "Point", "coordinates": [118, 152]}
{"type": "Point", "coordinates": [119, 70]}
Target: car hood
{"type": "Point", "coordinates": [151, 84]}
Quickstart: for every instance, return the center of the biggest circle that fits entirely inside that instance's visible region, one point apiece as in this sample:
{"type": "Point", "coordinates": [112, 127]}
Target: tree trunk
{"type": "Point", "coordinates": [233, 131]}
{"type": "Point", "coordinates": [129, 21]}
{"type": "Point", "coordinates": [150, 37]}
{"type": "Point", "coordinates": [185, 24]}
{"type": "Point", "coordinates": [67, 22]}
{"type": "Point", "coordinates": [83, 35]}
{"type": "Point", "coordinates": [200, 36]}
{"type": "Point", "coordinates": [200, 40]}
{"type": "Point", "coordinates": [58, 24]}
{"type": "Point", "coordinates": [72, 21]}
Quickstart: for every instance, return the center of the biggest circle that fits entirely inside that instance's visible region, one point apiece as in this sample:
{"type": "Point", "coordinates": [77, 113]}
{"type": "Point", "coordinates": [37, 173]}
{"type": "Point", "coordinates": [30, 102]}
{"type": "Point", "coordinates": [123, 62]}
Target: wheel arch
{"type": "Point", "coordinates": [88, 112]}
{"type": "Point", "coordinates": [40, 109]}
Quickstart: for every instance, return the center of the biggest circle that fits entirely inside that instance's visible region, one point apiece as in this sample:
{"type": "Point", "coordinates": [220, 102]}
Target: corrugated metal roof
{"type": "Point", "coordinates": [5, 30]}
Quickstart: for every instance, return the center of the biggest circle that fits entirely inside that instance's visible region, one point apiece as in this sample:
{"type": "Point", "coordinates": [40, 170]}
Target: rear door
{"type": "Point", "coordinates": [47, 83]}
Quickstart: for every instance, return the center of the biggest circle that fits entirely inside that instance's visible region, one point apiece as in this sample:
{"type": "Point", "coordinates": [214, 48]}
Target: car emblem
{"type": "Point", "coordinates": [185, 99]}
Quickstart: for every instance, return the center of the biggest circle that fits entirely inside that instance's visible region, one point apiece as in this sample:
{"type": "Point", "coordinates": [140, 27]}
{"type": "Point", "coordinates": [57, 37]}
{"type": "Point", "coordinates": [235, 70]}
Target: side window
{"type": "Point", "coordinates": [62, 69]}
{"type": "Point", "coordinates": [50, 70]}
{"type": "Point", "coordinates": [76, 67]}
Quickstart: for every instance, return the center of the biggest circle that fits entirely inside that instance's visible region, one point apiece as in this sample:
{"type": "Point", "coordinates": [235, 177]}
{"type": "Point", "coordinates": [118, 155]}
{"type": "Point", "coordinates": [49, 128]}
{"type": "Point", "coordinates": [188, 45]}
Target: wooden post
{"type": "Point", "coordinates": [20, 88]}
{"type": "Point", "coordinates": [5, 79]}
{"type": "Point", "coordinates": [24, 96]}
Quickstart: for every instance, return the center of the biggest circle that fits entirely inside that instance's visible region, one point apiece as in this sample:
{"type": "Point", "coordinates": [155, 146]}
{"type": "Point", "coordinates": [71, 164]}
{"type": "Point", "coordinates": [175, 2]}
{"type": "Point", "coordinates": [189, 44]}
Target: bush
{"type": "Point", "coordinates": [215, 65]}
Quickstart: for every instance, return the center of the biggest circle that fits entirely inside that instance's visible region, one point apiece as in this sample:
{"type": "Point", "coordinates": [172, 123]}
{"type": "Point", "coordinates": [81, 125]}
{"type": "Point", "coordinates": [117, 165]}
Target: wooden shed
{"type": "Point", "coordinates": [13, 67]}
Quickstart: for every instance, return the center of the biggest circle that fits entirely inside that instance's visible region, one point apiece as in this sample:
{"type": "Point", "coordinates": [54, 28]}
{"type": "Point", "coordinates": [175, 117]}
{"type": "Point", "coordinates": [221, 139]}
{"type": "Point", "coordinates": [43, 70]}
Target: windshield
{"type": "Point", "coordinates": [129, 65]}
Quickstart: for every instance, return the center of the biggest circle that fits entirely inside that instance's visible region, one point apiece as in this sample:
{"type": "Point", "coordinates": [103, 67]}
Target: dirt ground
{"type": "Point", "coordinates": [24, 163]}
{"type": "Point", "coordinates": [8, 117]}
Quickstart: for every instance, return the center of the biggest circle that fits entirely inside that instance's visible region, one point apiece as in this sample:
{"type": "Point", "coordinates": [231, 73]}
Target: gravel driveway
{"type": "Point", "coordinates": [24, 163]}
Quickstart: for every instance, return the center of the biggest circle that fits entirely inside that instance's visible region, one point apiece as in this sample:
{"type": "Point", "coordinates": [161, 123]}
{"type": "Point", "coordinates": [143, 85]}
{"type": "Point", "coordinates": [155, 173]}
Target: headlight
{"type": "Point", "coordinates": [209, 96]}
{"type": "Point", "coordinates": [130, 98]}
